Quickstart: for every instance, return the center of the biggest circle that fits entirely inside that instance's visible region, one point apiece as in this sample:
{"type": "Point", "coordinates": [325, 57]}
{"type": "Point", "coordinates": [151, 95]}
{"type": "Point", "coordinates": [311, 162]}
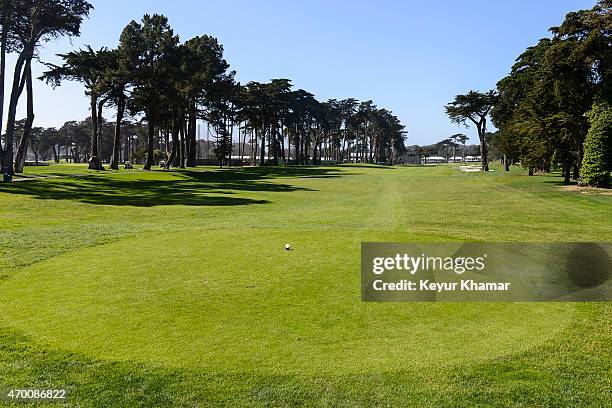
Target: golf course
{"type": "Point", "coordinates": [174, 288]}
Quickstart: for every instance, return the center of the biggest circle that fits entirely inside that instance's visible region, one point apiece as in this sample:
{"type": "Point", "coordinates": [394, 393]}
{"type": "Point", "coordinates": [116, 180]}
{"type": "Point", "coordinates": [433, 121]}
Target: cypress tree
{"type": "Point", "coordinates": [595, 171]}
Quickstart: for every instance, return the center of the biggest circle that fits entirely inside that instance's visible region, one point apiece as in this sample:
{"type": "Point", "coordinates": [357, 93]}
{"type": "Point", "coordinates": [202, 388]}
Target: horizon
{"type": "Point", "coordinates": [334, 51]}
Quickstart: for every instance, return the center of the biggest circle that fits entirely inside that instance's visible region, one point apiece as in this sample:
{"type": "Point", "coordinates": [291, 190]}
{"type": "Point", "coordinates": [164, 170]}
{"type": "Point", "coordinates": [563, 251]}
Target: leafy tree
{"type": "Point", "coordinates": [474, 107]}
{"type": "Point", "coordinates": [517, 112]}
{"type": "Point", "coordinates": [590, 30]}
{"type": "Point", "coordinates": [503, 145]}
{"type": "Point", "coordinates": [89, 67]}
{"type": "Point", "coordinates": [7, 19]}
{"type": "Point", "coordinates": [22, 148]}
{"type": "Point", "coordinates": [221, 113]}
{"type": "Point", "coordinates": [203, 66]}
{"type": "Point", "coordinates": [461, 139]}
{"type": "Point", "coordinates": [150, 48]}
{"type": "Point", "coordinates": [542, 102]}
{"type": "Point", "coordinates": [27, 24]}
{"type": "Point", "coordinates": [173, 85]}
{"type": "Point", "coordinates": [597, 159]}
{"type": "Point", "coordinates": [113, 87]}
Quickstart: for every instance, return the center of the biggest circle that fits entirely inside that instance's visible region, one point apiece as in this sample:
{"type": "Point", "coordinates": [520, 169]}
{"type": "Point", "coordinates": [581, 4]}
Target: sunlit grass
{"type": "Point", "coordinates": [163, 288]}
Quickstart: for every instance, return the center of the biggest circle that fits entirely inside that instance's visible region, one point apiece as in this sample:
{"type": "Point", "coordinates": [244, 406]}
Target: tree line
{"type": "Point", "coordinates": [71, 141]}
{"type": "Point", "coordinates": [170, 85]}
{"type": "Point", "coordinates": [553, 109]}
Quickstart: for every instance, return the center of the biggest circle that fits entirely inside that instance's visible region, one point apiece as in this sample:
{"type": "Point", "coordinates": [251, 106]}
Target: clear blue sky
{"type": "Point", "coordinates": [409, 56]}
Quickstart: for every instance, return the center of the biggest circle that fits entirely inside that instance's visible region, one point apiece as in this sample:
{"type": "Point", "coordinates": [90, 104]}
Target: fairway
{"type": "Point", "coordinates": [186, 272]}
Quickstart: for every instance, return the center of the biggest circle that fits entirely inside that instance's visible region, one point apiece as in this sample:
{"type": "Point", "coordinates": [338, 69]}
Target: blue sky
{"type": "Point", "coordinates": [411, 57]}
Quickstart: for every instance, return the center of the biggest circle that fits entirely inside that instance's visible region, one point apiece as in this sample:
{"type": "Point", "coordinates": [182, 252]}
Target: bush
{"type": "Point", "coordinates": [595, 170]}
{"type": "Point", "coordinates": [158, 156]}
{"type": "Point", "coordinates": [140, 155]}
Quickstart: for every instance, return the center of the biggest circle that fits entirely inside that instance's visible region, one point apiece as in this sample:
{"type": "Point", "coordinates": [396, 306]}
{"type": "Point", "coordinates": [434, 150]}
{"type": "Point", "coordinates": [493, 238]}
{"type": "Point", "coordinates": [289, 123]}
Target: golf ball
{"type": "Point", "coordinates": [287, 247]}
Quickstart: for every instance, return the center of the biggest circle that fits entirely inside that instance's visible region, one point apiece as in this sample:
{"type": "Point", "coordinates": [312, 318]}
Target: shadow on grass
{"type": "Point", "coordinates": [558, 180]}
{"type": "Point", "coordinates": [261, 173]}
{"type": "Point", "coordinates": [367, 166]}
{"type": "Point", "coordinates": [193, 188]}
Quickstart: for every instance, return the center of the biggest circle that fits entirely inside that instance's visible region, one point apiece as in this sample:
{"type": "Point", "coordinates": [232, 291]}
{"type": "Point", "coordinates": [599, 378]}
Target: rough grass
{"type": "Point", "coordinates": [173, 289]}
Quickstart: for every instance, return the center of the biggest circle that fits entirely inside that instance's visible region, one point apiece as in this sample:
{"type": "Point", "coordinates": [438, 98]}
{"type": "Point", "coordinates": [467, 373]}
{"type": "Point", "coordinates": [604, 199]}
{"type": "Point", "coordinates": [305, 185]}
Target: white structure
{"type": "Point", "coordinates": [472, 158]}
{"type": "Point", "coordinates": [456, 159]}
{"type": "Point", "coordinates": [435, 159]}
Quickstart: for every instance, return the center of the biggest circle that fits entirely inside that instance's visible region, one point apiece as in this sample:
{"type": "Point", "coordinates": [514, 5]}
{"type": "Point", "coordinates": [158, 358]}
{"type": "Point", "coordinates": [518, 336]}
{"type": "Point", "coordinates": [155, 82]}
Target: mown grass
{"type": "Point", "coordinates": [173, 289]}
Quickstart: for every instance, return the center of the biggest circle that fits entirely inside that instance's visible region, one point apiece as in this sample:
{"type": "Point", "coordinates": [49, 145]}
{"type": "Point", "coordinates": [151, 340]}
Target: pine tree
{"type": "Point", "coordinates": [595, 171]}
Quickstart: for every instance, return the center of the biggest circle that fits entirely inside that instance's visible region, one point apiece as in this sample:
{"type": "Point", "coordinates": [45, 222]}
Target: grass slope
{"type": "Point", "coordinates": [173, 288]}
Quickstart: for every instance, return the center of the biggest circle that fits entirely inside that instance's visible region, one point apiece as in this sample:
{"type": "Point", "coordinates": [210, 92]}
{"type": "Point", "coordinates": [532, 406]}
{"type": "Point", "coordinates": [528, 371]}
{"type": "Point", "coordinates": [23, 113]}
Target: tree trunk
{"type": "Point", "coordinates": [576, 172]}
{"type": "Point", "coordinates": [150, 137]}
{"type": "Point", "coordinates": [191, 139]}
{"type": "Point", "coordinates": [506, 163]}
{"type": "Point", "coordinates": [22, 150]}
{"type": "Point", "coordinates": [7, 159]}
{"type": "Point", "coordinates": [566, 177]}
{"type": "Point", "coordinates": [35, 151]}
{"type": "Point", "coordinates": [100, 118]}
{"type": "Point", "coordinates": [114, 163]}
{"type": "Point", "coordinates": [262, 157]}
{"type": "Point", "coordinates": [566, 171]}
{"type": "Point", "coordinates": [6, 7]}
{"type": "Point", "coordinates": [94, 160]}
{"type": "Point", "coordinates": [100, 127]}
{"type": "Point", "coordinates": [182, 143]}
{"type": "Point", "coordinates": [484, 153]}
{"type": "Point", "coordinates": [166, 133]}
{"type": "Point", "coordinates": [173, 159]}
{"type": "Point", "coordinates": [274, 142]}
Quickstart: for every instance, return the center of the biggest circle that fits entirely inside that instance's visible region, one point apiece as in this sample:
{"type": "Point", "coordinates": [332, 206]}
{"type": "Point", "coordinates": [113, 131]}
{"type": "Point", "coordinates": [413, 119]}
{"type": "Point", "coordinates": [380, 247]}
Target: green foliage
{"type": "Point", "coordinates": [474, 107]}
{"type": "Point", "coordinates": [85, 65]}
{"type": "Point", "coordinates": [596, 162]}
{"type": "Point", "coordinates": [158, 156]}
{"type": "Point", "coordinates": [150, 49]}
{"type": "Point", "coordinates": [543, 101]}
{"type": "Point", "coordinates": [139, 155]}
{"type": "Point", "coordinates": [35, 22]}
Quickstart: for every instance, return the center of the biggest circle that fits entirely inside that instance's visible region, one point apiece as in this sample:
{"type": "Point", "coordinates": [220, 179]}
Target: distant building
{"type": "Point", "coordinates": [434, 159]}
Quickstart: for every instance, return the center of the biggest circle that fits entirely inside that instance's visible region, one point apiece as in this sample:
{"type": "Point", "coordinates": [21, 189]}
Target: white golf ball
{"type": "Point", "coordinates": [287, 247]}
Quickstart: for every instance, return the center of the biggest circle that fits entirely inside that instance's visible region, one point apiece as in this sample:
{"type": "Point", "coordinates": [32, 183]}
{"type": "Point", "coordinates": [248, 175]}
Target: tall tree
{"type": "Point", "coordinates": [150, 48]}
{"type": "Point", "coordinates": [461, 139]}
{"type": "Point", "coordinates": [6, 19]}
{"type": "Point", "coordinates": [542, 103]}
{"type": "Point", "coordinates": [22, 148]}
{"type": "Point", "coordinates": [116, 77]}
{"type": "Point", "coordinates": [203, 66]}
{"type": "Point", "coordinates": [597, 161]}
{"type": "Point", "coordinates": [221, 112]}
{"type": "Point", "coordinates": [474, 107]}
{"type": "Point", "coordinates": [29, 24]}
{"type": "Point", "coordinates": [89, 67]}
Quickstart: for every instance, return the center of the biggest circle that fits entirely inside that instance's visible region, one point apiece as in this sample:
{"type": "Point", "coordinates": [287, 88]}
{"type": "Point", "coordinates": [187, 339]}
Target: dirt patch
{"type": "Point", "coordinates": [587, 190]}
{"type": "Point", "coordinates": [470, 169]}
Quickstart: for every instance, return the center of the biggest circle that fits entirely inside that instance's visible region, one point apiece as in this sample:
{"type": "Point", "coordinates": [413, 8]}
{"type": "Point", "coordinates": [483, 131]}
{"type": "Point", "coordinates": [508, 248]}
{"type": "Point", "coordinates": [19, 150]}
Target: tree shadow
{"type": "Point", "coordinates": [368, 166]}
{"type": "Point", "coordinates": [556, 179]}
{"type": "Point", "coordinates": [560, 182]}
{"type": "Point", "coordinates": [191, 187]}
{"type": "Point", "coordinates": [229, 174]}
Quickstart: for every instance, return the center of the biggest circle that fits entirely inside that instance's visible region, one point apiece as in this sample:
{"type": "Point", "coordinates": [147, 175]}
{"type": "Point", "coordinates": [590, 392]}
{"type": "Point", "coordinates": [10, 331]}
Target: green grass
{"type": "Point", "coordinates": [137, 288]}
